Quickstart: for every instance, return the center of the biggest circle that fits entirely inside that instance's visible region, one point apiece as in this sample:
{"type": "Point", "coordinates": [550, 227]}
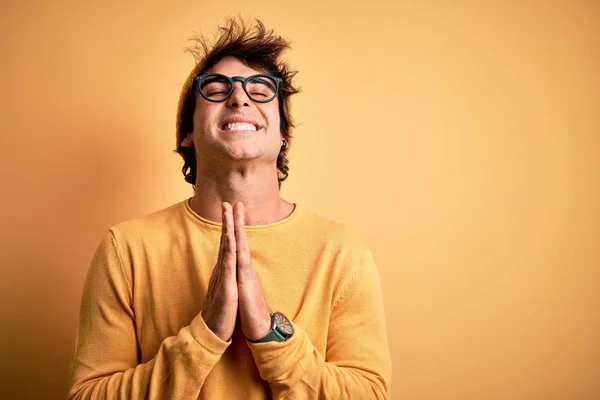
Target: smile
{"type": "Point", "coordinates": [239, 126]}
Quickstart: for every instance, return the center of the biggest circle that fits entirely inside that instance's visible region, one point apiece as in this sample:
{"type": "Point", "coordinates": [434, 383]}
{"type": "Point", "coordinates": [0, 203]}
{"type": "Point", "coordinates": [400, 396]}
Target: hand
{"type": "Point", "coordinates": [221, 303]}
{"type": "Point", "coordinates": [255, 315]}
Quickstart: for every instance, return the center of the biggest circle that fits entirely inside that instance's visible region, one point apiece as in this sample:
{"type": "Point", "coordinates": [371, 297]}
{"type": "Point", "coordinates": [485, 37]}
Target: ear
{"type": "Point", "coordinates": [188, 141]}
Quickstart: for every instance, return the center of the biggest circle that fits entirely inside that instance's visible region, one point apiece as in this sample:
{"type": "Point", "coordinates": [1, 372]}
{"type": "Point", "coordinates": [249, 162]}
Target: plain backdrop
{"type": "Point", "coordinates": [460, 138]}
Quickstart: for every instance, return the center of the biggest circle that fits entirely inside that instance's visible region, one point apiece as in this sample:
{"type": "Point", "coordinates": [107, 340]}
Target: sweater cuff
{"type": "Point", "coordinates": [277, 360]}
{"type": "Point", "coordinates": [207, 338]}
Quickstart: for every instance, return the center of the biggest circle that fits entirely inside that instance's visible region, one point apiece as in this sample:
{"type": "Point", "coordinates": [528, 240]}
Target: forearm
{"type": "Point", "coordinates": [356, 362]}
{"type": "Point", "coordinates": [177, 371]}
{"type": "Point", "coordinates": [295, 369]}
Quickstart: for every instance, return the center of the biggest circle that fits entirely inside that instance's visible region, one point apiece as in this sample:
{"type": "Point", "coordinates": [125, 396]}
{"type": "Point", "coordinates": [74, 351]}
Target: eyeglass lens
{"type": "Point", "coordinates": [217, 88]}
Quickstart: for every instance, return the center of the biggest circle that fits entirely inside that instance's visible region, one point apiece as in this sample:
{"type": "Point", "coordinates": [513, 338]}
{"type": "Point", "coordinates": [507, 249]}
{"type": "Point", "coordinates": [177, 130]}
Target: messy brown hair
{"type": "Point", "coordinates": [258, 48]}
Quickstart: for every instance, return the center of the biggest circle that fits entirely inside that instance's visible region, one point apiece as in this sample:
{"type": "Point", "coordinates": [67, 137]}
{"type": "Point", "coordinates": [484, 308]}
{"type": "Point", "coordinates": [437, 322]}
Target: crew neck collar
{"type": "Point", "coordinates": [217, 226]}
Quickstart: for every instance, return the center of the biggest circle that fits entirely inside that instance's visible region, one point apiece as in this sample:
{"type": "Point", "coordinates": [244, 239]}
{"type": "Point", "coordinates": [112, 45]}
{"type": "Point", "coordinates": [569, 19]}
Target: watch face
{"type": "Point", "coordinates": [283, 323]}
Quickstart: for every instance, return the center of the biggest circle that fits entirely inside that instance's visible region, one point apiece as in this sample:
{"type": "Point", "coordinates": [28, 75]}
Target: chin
{"type": "Point", "coordinates": [239, 153]}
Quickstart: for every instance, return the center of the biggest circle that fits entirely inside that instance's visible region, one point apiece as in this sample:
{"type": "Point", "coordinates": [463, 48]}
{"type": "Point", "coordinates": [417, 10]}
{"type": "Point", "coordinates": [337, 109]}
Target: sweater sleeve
{"type": "Point", "coordinates": [357, 363]}
{"type": "Point", "coordinates": [105, 363]}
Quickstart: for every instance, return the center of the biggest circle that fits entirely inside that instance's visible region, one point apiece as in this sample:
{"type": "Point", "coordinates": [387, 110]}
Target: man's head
{"type": "Point", "coordinates": [211, 125]}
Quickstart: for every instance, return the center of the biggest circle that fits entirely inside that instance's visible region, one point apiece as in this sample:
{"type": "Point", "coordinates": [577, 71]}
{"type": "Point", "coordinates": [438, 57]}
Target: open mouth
{"type": "Point", "coordinates": [239, 126]}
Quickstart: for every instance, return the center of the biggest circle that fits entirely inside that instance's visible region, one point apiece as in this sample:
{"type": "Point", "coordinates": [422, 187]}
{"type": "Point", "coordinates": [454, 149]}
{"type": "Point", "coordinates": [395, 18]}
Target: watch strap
{"type": "Point", "coordinates": [273, 336]}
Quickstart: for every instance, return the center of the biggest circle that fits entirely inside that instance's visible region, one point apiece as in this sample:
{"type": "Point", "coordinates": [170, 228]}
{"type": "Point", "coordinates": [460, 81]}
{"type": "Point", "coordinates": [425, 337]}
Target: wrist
{"type": "Point", "coordinates": [212, 327]}
{"type": "Point", "coordinates": [281, 329]}
{"type": "Point", "coordinates": [262, 331]}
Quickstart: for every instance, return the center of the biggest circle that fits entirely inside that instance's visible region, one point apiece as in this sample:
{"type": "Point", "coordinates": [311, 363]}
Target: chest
{"type": "Point", "coordinates": [170, 284]}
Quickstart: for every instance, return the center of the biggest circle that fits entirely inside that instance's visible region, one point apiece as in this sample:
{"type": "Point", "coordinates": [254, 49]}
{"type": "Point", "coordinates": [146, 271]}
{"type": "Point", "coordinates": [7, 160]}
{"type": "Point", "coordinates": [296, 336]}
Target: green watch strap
{"type": "Point", "coordinates": [273, 336]}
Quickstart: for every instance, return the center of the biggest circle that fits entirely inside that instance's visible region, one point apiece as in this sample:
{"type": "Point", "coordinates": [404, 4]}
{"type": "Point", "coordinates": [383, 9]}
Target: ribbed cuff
{"type": "Point", "coordinates": [276, 360]}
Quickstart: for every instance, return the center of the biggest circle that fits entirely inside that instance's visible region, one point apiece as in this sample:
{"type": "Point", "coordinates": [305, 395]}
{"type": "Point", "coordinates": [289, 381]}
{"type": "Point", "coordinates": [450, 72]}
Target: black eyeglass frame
{"type": "Point", "coordinates": [232, 81]}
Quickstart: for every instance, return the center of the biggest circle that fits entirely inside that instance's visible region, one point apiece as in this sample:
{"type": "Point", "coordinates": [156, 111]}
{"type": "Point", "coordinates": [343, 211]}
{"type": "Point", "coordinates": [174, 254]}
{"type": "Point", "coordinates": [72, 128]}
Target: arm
{"type": "Point", "coordinates": [106, 365]}
{"type": "Point", "coordinates": [357, 363]}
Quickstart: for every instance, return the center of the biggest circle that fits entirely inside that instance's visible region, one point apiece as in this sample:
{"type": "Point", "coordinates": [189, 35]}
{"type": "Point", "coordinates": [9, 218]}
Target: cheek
{"type": "Point", "coordinates": [276, 123]}
{"type": "Point", "coordinates": [202, 118]}
{"type": "Point", "coordinates": [274, 119]}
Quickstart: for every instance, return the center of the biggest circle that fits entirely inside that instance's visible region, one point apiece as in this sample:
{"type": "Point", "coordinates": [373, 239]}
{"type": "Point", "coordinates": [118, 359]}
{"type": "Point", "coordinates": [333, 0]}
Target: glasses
{"type": "Point", "coordinates": [260, 88]}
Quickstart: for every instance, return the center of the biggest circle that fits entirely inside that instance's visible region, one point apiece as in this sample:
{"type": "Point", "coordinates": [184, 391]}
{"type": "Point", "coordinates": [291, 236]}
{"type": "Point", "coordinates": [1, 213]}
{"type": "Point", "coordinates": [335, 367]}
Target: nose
{"type": "Point", "coordinates": [238, 98]}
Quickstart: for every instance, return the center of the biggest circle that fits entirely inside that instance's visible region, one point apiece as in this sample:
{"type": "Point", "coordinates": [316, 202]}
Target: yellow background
{"type": "Point", "coordinates": [461, 139]}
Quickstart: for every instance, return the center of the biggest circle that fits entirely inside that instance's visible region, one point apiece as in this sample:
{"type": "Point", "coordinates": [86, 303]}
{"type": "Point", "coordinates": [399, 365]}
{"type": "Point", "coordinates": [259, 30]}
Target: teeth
{"type": "Point", "coordinates": [240, 126]}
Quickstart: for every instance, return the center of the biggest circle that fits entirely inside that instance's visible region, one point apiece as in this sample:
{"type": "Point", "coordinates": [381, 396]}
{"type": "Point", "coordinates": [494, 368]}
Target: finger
{"type": "Point", "coordinates": [229, 258]}
{"type": "Point", "coordinates": [223, 239]}
{"type": "Point", "coordinates": [222, 245]}
{"type": "Point", "coordinates": [241, 240]}
{"type": "Point", "coordinates": [222, 250]}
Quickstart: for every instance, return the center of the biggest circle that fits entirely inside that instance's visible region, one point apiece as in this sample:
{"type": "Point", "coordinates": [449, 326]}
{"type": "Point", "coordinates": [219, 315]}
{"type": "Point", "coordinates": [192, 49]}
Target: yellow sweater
{"type": "Point", "coordinates": [141, 334]}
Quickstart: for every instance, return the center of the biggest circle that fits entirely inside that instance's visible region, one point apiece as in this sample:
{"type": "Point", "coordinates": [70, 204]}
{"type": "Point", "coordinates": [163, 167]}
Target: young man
{"type": "Point", "coordinates": [234, 293]}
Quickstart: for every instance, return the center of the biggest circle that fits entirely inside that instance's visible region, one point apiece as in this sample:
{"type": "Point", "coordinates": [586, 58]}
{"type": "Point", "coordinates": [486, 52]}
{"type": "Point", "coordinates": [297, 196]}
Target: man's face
{"type": "Point", "coordinates": [221, 130]}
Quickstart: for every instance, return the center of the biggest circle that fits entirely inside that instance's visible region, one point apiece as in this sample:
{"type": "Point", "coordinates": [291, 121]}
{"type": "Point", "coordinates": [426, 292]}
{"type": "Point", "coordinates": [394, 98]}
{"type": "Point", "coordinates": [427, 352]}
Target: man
{"type": "Point", "coordinates": [234, 293]}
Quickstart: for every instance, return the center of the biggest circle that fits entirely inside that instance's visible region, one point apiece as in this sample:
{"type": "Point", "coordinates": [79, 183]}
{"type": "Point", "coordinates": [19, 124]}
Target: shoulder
{"type": "Point", "coordinates": [336, 232]}
{"type": "Point", "coordinates": [152, 226]}
{"type": "Point", "coordinates": [335, 238]}
{"type": "Point", "coordinates": [344, 250]}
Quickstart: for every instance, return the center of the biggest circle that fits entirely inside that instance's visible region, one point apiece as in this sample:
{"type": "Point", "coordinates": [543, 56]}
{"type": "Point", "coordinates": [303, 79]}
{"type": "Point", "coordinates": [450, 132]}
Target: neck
{"type": "Point", "coordinates": [258, 190]}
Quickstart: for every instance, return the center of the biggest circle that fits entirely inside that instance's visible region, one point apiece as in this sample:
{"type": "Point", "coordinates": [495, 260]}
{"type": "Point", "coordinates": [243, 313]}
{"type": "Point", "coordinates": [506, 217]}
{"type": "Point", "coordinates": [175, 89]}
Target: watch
{"type": "Point", "coordinates": [281, 329]}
